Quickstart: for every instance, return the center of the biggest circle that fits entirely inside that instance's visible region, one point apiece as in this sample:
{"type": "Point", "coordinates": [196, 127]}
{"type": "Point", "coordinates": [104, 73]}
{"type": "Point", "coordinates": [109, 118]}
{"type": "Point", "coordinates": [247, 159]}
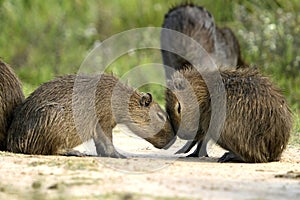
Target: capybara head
{"type": "Point", "coordinates": [182, 107]}
{"type": "Point", "coordinates": [147, 119]}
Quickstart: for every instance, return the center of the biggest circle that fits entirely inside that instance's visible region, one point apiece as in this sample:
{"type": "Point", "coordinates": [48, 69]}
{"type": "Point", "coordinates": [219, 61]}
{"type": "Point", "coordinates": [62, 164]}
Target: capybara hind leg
{"type": "Point", "coordinates": [70, 152]}
{"type": "Point", "coordinates": [230, 157]}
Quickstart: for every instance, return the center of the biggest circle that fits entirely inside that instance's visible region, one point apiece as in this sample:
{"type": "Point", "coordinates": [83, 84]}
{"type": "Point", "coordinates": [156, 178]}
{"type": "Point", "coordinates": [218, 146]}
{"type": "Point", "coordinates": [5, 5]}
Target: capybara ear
{"type": "Point", "coordinates": [176, 83]}
{"type": "Point", "coordinates": [146, 100]}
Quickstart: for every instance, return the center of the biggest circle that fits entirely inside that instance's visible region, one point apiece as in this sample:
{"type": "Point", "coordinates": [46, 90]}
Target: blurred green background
{"type": "Point", "coordinates": [44, 39]}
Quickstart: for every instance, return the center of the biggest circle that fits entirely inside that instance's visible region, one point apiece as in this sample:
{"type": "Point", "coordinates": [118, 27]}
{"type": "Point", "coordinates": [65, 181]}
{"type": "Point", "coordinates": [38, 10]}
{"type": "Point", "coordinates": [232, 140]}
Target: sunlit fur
{"type": "Point", "coordinates": [219, 44]}
{"type": "Point", "coordinates": [45, 122]}
{"type": "Point", "coordinates": [197, 23]}
{"type": "Point", "coordinates": [258, 119]}
{"type": "Point", "coordinates": [11, 96]}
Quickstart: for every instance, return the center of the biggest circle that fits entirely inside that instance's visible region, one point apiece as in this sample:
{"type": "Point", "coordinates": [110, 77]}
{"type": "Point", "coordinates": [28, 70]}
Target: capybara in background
{"type": "Point", "coordinates": [220, 44]}
{"type": "Point", "coordinates": [11, 96]}
{"type": "Point", "coordinates": [197, 23]}
{"type": "Point", "coordinates": [258, 120]}
{"type": "Point", "coordinates": [69, 110]}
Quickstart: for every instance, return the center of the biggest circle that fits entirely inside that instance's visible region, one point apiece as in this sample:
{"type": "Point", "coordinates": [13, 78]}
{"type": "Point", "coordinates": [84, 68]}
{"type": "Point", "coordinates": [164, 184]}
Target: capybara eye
{"type": "Point", "coordinates": [178, 108]}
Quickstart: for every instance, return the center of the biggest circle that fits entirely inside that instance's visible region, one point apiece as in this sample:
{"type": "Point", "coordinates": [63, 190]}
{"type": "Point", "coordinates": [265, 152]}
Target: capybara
{"type": "Point", "coordinates": [198, 24]}
{"type": "Point", "coordinates": [219, 44]}
{"type": "Point", "coordinates": [69, 110]}
{"type": "Point", "coordinates": [11, 96]}
{"type": "Point", "coordinates": [258, 120]}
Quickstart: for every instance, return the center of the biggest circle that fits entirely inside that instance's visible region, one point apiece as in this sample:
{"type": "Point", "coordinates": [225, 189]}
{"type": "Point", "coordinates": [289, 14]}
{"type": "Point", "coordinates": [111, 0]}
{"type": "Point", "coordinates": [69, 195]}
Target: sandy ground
{"type": "Point", "coordinates": [148, 173]}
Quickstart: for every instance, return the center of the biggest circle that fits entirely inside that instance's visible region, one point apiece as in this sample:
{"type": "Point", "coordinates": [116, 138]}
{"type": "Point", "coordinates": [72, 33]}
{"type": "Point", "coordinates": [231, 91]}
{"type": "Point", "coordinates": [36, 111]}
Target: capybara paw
{"type": "Point", "coordinates": [118, 155]}
{"type": "Point", "coordinates": [72, 152]}
{"type": "Point", "coordinates": [193, 155]}
{"type": "Point", "coordinates": [230, 157]}
{"type": "Point", "coordinates": [115, 154]}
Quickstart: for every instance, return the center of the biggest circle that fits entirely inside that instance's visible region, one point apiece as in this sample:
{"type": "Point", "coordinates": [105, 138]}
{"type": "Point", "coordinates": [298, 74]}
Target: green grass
{"type": "Point", "coordinates": [295, 136]}
{"type": "Point", "coordinates": [42, 40]}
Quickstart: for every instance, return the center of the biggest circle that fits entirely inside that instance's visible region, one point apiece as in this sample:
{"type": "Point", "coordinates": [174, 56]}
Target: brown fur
{"type": "Point", "coordinates": [197, 23]}
{"type": "Point", "coordinates": [45, 123]}
{"type": "Point", "coordinates": [258, 120]}
{"type": "Point", "coordinates": [11, 96]}
{"type": "Point", "coordinates": [220, 44]}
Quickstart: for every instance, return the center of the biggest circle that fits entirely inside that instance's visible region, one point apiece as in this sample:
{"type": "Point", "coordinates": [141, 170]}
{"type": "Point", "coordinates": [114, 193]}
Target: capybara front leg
{"type": "Point", "coordinates": [104, 145]}
{"type": "Point", "coordinates": [187, 147]}
{"type": "Point", "coordinates": [200, 150]}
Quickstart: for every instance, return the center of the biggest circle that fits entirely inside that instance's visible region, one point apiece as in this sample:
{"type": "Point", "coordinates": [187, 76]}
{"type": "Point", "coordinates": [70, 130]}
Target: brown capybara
{"type": "Point", "coordinates": [63, 113]}
{"type": "Point", "coordinates": [257, 122]}
{"type": "Point", "coordinates": [219, 44]}
{"type": "Point", "coordinates": [11, 96]}
{"type": "Point", "coordinates": [198, 24]}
